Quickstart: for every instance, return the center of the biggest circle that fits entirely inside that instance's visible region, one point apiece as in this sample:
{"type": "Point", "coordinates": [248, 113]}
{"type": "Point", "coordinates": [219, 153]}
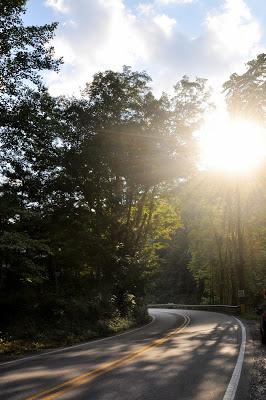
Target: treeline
{"type": "Point", "coordinates": [102, 205]}
{"type": "Point", "coordinates": [223, 237]}
{"type": "Point", "coordinates": [85, 186]}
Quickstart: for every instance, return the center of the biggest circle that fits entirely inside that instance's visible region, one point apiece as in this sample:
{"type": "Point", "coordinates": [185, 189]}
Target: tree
{"type": "Point", "coordinates": [246, 93]}
{"type": "Point", "coordinates": [26, 122]}
{"type": "Point", "coordinates": [23, 49]}
{"type": "Point", "coordinates": [87, 184]}
{"type": "Point", "coordinates": [172, 281]}
{"type": "Point", "coordinates": [246, 98]}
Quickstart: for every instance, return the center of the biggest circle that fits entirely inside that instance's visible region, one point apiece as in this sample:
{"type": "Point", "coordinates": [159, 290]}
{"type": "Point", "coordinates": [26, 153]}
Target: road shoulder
{"type": "Point", "coordinates": [258, 367]}
{"type": "Point", "coordinates": [252, 385]}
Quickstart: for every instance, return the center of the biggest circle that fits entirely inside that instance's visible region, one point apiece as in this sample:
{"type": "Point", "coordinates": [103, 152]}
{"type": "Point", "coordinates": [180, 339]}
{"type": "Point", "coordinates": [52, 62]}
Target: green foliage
{"type": "Point", "coordinates": [84, 189]}
{"type": "Point", "coordinates": [102, 206]}
{"type": "Point", "coordinates": [172, 281]}
{"type": "Point", "coordinates": [23, 48]}
{"type": "Point", "coordinates": [246, 93]}
{"type": "Point", "coordinates": [226, 236]}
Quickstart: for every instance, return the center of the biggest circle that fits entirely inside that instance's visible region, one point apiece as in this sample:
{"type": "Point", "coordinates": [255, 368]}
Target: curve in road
{"type": "Point", "coordinates": [182, 355]}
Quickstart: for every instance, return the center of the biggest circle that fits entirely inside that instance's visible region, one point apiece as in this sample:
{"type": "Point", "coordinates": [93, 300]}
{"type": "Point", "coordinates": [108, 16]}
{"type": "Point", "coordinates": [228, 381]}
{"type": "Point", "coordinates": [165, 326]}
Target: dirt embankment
{"type": "Point", "coordinates": [258, 370]}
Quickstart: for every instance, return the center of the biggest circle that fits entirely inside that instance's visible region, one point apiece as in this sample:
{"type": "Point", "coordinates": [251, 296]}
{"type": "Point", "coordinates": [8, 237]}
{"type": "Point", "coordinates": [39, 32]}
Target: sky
{"type": "Point", "coordinates": [167, 38]}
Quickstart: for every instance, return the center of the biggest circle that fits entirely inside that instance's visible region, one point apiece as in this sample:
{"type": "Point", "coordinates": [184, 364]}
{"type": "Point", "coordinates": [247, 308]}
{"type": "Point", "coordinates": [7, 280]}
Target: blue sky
{"type": "Point", "coordinates": [167, 38]}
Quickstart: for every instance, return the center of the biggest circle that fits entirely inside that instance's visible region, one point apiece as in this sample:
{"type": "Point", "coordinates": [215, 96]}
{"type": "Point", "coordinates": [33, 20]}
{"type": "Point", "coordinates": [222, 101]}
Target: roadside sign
{"type": "Point", "coordinates": [241, 293]}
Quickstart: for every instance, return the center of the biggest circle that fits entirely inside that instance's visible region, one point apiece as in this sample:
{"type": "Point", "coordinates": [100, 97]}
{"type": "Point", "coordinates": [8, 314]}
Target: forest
{"type": "Point", "coordinates": [103, 205]}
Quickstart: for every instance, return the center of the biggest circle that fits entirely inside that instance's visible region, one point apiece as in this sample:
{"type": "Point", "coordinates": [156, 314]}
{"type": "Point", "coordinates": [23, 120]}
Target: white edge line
{"type": "Point", "coordinates": [77, 345]}
{"type": "Point", "coordinates": [234, 381]}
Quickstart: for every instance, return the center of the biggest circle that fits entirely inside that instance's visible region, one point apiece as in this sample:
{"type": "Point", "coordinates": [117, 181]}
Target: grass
{"type": "Point", "coordinates": [11, 347]}
{"type": "Point", "coordinates": [250, 315]}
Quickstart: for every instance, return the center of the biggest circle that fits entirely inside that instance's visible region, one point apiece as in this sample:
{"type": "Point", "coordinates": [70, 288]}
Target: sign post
{"type": "Point", "coordinates": [241, 296]}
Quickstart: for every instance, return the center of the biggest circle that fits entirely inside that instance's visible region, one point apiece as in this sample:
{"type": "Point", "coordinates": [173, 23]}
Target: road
{"type": "Point", "coordinates": [182, 355]}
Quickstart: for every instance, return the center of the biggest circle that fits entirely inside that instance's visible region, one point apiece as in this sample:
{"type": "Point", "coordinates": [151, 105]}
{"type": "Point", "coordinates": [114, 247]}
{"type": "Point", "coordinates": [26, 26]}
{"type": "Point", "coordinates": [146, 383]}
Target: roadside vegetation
{"type": "Point", "coordinates": [103, 206]}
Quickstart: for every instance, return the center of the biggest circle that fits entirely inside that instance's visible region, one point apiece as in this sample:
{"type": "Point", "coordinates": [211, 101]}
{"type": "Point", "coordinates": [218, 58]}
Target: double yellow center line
{"type": "Point", "coordinates": [64, 387]}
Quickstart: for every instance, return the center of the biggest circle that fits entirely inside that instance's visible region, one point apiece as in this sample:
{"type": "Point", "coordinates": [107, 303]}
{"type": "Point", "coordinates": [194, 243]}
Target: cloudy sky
{"type": "Point", "coordinates": [167, 38]}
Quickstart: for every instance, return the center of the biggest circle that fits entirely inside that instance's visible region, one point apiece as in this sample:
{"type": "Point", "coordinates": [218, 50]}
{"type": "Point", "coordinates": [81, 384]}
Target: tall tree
{"type": "Point", "coordinates": [23, 48]}
{"type": "Point", "coordinates": [246, 93]}
{"type": "Point", "coordinates": [26, 121]}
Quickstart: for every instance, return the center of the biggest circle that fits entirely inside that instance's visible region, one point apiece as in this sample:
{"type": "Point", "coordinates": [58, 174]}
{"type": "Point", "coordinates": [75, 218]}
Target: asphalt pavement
{"type": "Point", "coordinates": [180, 355]}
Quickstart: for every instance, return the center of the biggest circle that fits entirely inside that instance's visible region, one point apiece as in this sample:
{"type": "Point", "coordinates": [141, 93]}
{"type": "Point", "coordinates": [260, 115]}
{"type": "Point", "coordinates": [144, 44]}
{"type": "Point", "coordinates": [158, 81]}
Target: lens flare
{"type": "Point", "coordinates": [232, 145]}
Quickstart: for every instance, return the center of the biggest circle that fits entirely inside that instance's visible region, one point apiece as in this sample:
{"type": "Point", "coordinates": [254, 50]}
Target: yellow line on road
{"type": "Point", "coordinates": [59, 390]}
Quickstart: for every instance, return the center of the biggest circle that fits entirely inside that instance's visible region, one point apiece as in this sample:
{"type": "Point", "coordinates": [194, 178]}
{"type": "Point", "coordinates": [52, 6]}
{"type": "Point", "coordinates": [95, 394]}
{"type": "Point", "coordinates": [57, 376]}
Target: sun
{"type": "Point", "coordinates": [232, 145]}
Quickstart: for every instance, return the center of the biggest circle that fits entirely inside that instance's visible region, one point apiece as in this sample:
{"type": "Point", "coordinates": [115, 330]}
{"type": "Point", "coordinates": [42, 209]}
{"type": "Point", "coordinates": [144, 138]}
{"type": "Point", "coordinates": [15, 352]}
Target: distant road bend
{"type": "Point", "coordinates": [180, 355]}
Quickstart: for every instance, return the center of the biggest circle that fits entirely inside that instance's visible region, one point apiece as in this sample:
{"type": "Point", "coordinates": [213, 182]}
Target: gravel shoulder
{"type": "Point", "coordinates": [257, 371]}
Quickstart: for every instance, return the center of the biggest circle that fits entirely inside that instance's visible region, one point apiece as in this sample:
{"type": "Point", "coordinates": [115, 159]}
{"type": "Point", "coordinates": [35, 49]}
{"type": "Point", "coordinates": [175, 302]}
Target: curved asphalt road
{"type": "Point", "coordinates": [180, 355]}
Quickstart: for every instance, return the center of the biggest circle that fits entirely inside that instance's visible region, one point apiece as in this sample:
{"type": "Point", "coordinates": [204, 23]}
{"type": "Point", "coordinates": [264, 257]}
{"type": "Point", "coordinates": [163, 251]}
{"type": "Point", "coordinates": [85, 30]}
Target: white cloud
{"type": "Point", "coordinates": [146, 8]}
{"type": "Point", "coordinates": [106, 34]}
{"type": "Point", "coordinates": [58, 5]}
{"type": "Point", "coordinates": [100, 35]}
{"type": "Point", "coordinates": [176, 1]}
{"type": "Point", "coordinates": [165, 23]}
{"type": "Point", "coordinates": [234, 30]}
